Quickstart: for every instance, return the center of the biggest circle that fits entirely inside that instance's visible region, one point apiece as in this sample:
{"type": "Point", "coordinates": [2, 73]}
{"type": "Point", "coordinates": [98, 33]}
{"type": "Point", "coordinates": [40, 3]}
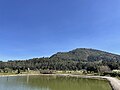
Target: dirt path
{"type": "Point", "coordinates": [115, 83]}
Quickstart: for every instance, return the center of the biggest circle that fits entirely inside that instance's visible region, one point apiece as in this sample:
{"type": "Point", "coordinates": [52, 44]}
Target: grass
{"type": "Point", "coordinates": [118, 78]}
{"type": "Point", "coordinates": [21, 72]}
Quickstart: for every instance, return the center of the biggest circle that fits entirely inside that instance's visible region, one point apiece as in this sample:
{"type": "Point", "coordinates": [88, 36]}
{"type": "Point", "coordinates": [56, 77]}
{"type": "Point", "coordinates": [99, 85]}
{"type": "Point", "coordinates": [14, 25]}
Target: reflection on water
{"type": "Point", "coordinates": [27, 79]}
{"type": "Point", "coordinates": [51, 83]}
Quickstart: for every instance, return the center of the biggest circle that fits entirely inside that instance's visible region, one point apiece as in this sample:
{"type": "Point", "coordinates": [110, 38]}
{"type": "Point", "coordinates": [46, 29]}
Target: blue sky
{"type": "Point", "coordinates": [36, 28]}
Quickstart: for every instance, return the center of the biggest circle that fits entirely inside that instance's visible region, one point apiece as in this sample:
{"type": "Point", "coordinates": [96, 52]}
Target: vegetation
{"type": "Point", "coordinates": [90, 60]}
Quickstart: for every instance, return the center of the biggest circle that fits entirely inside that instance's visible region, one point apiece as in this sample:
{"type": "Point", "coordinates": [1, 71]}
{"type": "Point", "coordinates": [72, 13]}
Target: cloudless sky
{"type": "Point", "coordinates": [36, 28]}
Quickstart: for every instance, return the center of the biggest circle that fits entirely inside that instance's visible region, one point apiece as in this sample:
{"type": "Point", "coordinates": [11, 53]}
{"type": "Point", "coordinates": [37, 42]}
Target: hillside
{"type": "Point", "coordinates": [84, 54]}
{"type": "Point", "coordinates": [80, 58]}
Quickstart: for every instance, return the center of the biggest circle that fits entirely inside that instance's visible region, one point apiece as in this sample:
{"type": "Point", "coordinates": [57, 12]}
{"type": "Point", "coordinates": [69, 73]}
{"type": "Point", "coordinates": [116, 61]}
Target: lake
{"type": "Point", "coordinates": [51, 83]}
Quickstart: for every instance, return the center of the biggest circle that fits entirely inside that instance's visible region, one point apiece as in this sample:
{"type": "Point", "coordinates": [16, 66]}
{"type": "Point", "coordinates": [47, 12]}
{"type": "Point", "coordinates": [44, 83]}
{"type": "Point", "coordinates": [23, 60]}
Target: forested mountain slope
{"type": "Point", "coordinates": [84, 54]}
{"type": "Point", "coordinates": [80, 58]}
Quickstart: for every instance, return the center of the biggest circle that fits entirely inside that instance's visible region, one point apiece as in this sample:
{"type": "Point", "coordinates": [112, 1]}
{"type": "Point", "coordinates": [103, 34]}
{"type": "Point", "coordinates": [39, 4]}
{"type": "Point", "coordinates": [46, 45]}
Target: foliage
{"type": "Point", "coordinates": [87, 59]}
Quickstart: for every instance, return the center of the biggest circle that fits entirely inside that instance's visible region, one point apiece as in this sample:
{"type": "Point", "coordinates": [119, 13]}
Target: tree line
{"type": "Point", "coordinates": [59, 64]}
{"type": "Point", "coordinates": [79, 59]}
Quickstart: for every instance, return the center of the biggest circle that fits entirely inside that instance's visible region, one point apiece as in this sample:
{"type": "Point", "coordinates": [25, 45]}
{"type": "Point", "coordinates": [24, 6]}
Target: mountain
{"type": "Point", "coordinates": [77, 59]}
{"type": "Point", "coordinates": [86, 54]}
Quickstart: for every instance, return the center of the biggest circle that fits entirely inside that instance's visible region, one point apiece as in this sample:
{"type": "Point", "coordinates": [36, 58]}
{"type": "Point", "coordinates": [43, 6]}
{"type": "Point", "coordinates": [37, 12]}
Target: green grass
{"type": "Point", "coordinates": [118, 78]}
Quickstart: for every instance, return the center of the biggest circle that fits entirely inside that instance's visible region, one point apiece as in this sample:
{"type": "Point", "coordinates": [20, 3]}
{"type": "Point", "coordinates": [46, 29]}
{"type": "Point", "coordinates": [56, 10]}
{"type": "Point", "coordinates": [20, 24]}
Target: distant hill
{"type": "Point", "coordinates": [77, 59]}
{"type": "Point", "coordinates": [85, 54]}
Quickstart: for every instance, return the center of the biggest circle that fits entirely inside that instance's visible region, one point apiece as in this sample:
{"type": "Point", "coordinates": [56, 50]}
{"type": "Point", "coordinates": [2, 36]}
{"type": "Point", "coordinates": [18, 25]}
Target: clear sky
{"type": "Point", "coordinates": [36, 28]}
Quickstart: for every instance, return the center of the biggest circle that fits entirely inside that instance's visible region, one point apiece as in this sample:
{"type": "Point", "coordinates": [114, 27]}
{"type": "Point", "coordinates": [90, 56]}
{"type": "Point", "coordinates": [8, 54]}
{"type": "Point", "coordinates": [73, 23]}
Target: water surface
{"type": "Point", "coordinates": [51, 83]}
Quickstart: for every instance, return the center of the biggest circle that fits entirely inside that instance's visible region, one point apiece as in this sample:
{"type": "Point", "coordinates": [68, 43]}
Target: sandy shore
{"type": "Point", "coordinates": [114, 82]}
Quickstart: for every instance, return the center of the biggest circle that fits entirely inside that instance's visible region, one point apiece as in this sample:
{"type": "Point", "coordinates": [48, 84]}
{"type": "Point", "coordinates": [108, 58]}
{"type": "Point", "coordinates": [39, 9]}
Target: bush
{"type": "Point", "coordinates": [46, 72]}
{"type": "Point", "coordinates": [112, 74]}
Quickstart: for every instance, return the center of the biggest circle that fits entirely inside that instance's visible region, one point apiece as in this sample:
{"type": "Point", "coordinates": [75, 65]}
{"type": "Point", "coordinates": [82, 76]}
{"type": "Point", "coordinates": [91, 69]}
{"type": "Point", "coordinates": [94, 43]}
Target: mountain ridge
{"type": "Point", "coordinates": [79, 54]}
{"type": "Point", "coordinates": [77, 59]}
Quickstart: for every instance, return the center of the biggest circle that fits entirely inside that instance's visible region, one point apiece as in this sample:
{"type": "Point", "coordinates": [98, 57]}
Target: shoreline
{"type": "Point", "coordinates": [14, 75]}
{"type": "Point", "coordinates": [114, 82]}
